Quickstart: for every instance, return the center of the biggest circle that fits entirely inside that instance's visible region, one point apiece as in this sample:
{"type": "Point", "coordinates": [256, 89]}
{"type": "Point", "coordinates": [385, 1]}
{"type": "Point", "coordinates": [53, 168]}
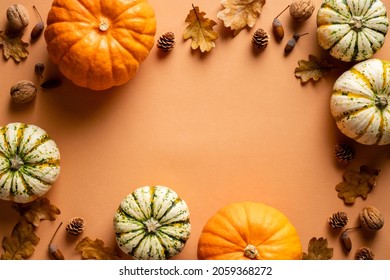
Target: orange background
{"type": "Point", "coordinates": [219, 127]}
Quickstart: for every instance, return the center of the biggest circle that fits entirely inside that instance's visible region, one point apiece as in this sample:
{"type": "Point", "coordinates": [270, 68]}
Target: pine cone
{"type": "Point", "coordinates": [338, 220]}
{"type": "Point", "coordinates": [260, 39]}
{"type": "Point", "coordinates": [166, 42]}
{"type": "Point", "coordinates": [75, 226]}
{"type": "Point", "coordinates": [344, 152]}
{"type": "Point", "coordinates": [364, 253]}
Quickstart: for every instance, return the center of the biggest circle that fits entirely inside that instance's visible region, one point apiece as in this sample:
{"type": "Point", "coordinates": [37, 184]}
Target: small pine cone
{"type": "Point", "coordinates": [338, 220]}
{"type": "Point", "coordinates": [344, 152]}
{"type": "Point", "coordinates": [364, 253]}
{"type": "Point", "coordinates": [260, 39]}
{"type": "Point", "coordinates": [75, 226]}
{"type": "Point", "coordinates": [166, 42]}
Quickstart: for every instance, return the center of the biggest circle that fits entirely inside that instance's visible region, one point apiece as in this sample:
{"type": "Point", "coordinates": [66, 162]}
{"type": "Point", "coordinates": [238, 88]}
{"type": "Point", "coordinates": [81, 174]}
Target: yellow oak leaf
{"type": "Point", "coordinates": [21, 244]}
{"type": "Point", "coordinates": [357, 183]}
{"type": "Point", "coordinates": [312, 69]}
{"type": "Point", "coordinates": [200, 30]}
{"type": "Point", "coordinates": [237, 14]}
{"type": "Point", "coordinates": [318, 250]}
{"type": "Point", "coordinates": [13, 46]}
{"type": "Point", "coordinates": [95, 249]}
{"type": "Point", "coordinates": [38, 210]}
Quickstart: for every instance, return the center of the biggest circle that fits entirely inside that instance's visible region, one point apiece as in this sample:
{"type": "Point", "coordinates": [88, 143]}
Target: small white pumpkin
{"type": "Point", "coordinates": [360, 102]}
{"type": "Point", "coordinates": [352, 30]}
{"type": "Point", "coordinates": [29, 162]}
{"type": "Point", "coordinates": [152, 223]}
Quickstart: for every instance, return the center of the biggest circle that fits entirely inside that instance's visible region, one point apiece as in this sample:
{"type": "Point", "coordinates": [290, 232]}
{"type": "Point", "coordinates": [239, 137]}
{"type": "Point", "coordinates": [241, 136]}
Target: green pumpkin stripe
{"type": "Point", "coordinates": [153, 208]}
{"type": "Point", "coordinates": [30, 162]}
{"type": "Point", "coordinates": [365, 130]}
{"type": "Point", "coordinates": [38, 142]}
{"type": "Point", "coordinates": [18, 187]}
{"type": "Point", "coordinates": [369, 33]}
{"type": "Point", "coordinates": [163, 228]}
{"type": "Point", "coordinates": [162, 238]}
{"type": "Point", "coordinates": [19, 136]}
{"type": "Point", "coordinates": [25, 171]}
{"type": "Point", "coordinates": [5, 148]}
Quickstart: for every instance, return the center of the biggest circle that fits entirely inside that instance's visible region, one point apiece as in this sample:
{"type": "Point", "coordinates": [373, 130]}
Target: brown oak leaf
{"type": "Point", "coordinates": [357, 183]}
{"type": "Point", "coordinates": [318, 250]}
{"type": "Point", "coordinates": [200, 30]}
{"type": "Point", "coordinates": [95, 249]}
{"type": "Point", "coordinates": [38, 210]}
{"type": "Point", "coordinates": [237, 14]}
{"type": "Point", "coordinates": [312, 69]}
{"type": "Point", "coordinates": [13, 46]}
{"type": "Point", "coordinates": [21, 244]}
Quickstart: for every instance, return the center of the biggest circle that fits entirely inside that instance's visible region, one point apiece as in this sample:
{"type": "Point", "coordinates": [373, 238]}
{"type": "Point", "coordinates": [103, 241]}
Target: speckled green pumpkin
{"type": "Point", "coordinates": [360, 102]}
{"type": "Point", "coordinates": [152, 223]}
{"type": "Point", "coordinates": [29, 162]}
{"type": "Point", "coordinates": [352, 30]}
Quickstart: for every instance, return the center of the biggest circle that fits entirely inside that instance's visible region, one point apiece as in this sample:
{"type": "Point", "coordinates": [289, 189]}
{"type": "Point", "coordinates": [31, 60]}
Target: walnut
{"type": "Point", "coordinates": [301, 9]}
{"type": "Point", "coordinates": [371, 218]}
{"type": "Point", "coordinates": [23, 91]}
{"type": "Point", "coordinates": [17, 17]}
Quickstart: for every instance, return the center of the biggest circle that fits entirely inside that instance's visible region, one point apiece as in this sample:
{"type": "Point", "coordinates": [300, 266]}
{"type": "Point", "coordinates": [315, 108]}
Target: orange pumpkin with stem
{"type": "Point", "coordinates": [99, 43]}
{"type": "Point", "coordinates": [249, 230]}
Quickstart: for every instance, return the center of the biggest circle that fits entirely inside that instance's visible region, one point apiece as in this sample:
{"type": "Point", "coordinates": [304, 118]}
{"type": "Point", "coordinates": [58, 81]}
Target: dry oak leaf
{"type": "Point", "coordinates": [200, 30]}
{"type": "Point", "coordinates": [237, 14]}
{"type": "Point", "coordinates": [95, 249]}
{"type": "Point", "coordinates": [318, 250]}
{"type": "Point", "coordinates": [13, 47]}
{"type": "Point", "coordinates": [38, 210]}
{"type": "Point", "coordinates": [21, 244]}
{"type": "Point", "coordinates": [312, 69]}
{"type": "Point", "coordinates": [357, 183]}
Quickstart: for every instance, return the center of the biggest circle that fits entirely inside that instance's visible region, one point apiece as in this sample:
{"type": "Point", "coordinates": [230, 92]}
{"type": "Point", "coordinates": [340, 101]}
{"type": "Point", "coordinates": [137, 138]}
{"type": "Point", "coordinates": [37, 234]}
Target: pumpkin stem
{"type": "Point", "coordinates": [16, 162]}
{"type": "Point", "coordinates": [251, 252]}
{"type": "Point", "coordinates": [356, 23]}
{"type": "Point", "coordinates": [103, 26]}
{"type": "Point", "coordinates": [381, 102]}
{"type": "Point", "coordinates": [152, 225]}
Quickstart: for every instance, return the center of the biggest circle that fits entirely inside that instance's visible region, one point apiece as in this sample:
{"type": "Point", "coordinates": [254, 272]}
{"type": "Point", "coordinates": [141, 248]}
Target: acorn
{"type": "Point", "coordinates": [277, 26]}
{"type": "Point", "coordinates": [54, 252]}
{"type": "Point", "coordinates": [38, 28]}
{"type": "Point", "coordinates": [292, 42]}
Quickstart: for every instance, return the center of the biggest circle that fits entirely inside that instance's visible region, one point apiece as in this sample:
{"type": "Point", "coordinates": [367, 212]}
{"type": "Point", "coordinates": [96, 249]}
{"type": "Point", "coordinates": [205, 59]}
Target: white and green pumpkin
{"type": "Point", "coordinates": [29, 162]}
{"type": "Point", "coordinates": [153, 222]}
{"type": "Point", "coordinates": [360, 102]}
{"type": "Point", "coordinates": [352, 30]}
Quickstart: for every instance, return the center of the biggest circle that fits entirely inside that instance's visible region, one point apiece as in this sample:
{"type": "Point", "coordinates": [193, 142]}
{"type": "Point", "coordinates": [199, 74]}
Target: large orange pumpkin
{"type": "Point", "coordinates": [99, 43]}
{"type": "Point", "coordinates": [249, 230]}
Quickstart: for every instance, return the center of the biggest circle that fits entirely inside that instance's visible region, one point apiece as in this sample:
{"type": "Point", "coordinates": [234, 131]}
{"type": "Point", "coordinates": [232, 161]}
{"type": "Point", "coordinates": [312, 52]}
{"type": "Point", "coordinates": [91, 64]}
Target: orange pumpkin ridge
{"type": "Point", "coordinates": [249, 230]}
{"type": "Point", "coordinates": [99, 44]}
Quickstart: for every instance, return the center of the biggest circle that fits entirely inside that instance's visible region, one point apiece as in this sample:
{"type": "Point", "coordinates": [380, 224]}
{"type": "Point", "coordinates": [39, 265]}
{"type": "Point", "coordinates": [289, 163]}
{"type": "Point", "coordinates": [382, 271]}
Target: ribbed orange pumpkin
{"type": "Point", "coordinates": [249, 230]}
{"type": "Point", "coordinates": [99, 43]}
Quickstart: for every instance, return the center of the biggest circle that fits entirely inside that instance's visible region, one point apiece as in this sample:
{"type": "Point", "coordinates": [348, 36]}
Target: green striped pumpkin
{"type": "Point", "coordinates": [29, 162]}
{"type": "Point", "coordinates": [360, 102]}
{"type": "Point", "coordinates": [152, 223]}
{"type": "Point", "coordinates": [352, 30]}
